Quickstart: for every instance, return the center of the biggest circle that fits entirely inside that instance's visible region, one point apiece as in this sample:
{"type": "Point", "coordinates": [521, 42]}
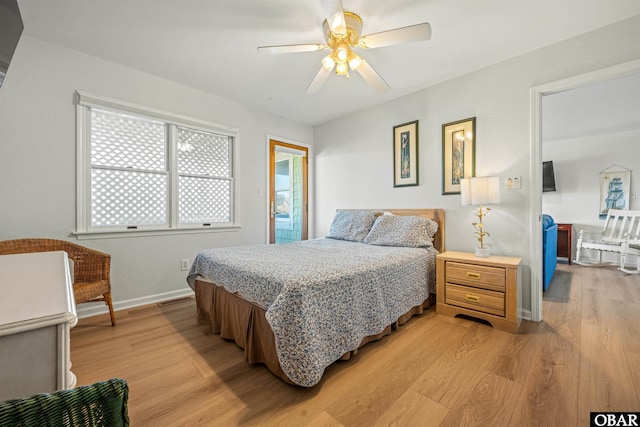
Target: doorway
{"type": "Point", "coordinates": [536, 160]}
{"type": "Point", "coordinates": [288, 192]}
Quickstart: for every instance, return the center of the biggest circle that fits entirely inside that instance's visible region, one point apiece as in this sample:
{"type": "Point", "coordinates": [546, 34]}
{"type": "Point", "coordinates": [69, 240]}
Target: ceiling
{"type": "Point", "coordinates": [606, 107]}
{"type": "Point", "coordinates": [211, 44]}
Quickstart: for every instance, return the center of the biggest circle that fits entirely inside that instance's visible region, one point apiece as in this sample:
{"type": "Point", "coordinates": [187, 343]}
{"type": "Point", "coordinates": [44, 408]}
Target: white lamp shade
{"type": "Point", "coordinates": [483, 190]}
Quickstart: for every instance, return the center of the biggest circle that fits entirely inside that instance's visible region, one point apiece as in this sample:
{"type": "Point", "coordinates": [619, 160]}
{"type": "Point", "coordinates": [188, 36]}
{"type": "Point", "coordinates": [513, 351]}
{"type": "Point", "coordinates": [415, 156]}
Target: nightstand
{"type": "Point", "coordinates": [484, 288]}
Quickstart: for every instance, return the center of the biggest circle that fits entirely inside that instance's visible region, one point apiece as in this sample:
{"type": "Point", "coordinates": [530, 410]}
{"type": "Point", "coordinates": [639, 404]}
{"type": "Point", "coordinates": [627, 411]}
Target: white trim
{"type": "Point", "coordinates": [537, 93]}
{"type": "Point", "coordinates": [90, 100]}
{"type": "Point", "coordinates": [109, 234]}
{"type": "Point", "coordinates": [82, 163]}
{"type": "Point", "coordinates": [267, 190]}
{"type": "Point", "coordinates": [97, 308]}
{"type": "Point", "coordinates": [171, 122]}
{"type": "Point", "coordinates": [536, 207]}
{"type": "Point", "coordinates": [580, 80]}
{"type": "Point", "coordinates": [233, 204]}
{"type": "Point", "coordinates": [172, 150]}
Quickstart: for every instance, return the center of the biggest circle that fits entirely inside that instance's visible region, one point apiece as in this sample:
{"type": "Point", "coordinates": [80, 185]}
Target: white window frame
{"type": "Point", "coordinates": [84, 103]}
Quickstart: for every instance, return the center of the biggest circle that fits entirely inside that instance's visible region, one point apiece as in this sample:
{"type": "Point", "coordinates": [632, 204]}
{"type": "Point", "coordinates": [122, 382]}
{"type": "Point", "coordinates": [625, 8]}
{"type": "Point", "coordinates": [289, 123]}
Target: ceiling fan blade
{"type": "Point", "coordinates": [335, 16]}
{"type": "Point", "coordinates": [372, 77]}
{"type": "Point", "coordinates": [413, 33]}
{"type": "Point", "coordinates": [291, 48]}
{"type": "Point", "coordinates": [318, 80]}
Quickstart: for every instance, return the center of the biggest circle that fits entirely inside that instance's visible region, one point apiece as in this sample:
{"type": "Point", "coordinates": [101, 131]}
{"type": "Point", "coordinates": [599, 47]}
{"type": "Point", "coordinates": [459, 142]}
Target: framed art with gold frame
{"type": "Point", "coordinates": [458, 153]}
{"type": "Point", "coordinates": [405, 154]}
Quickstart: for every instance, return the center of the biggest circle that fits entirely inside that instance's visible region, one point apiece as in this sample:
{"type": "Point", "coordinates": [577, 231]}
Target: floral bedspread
{"type": "Point", "coordinates": [323, 296]}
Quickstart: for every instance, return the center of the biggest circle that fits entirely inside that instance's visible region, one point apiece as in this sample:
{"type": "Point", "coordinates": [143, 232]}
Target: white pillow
{"type": "Point", "coordinates": [352, 225]}
{"type": "Point", "coordinates": [407, 231]}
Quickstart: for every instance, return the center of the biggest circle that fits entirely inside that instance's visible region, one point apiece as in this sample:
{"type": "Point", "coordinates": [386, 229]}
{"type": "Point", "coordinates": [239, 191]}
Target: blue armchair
{"type": "Point", "coordinates": [549, 249]}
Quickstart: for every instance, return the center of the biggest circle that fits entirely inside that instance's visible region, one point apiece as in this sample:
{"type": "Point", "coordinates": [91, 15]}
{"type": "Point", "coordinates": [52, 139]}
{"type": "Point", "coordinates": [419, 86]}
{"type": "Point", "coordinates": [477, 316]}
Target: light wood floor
{"type": "Point", "coordinates": [435, 370]}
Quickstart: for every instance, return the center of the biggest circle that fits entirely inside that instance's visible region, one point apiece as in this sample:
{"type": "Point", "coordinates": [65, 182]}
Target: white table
{"type": "Point", "coordinates": [37, 311]}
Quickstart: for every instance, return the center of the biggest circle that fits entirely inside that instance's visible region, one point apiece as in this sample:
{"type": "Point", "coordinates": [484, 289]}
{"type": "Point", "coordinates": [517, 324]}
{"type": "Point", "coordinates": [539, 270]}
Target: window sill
{"type": "Point", "coordinates": [111, 234]}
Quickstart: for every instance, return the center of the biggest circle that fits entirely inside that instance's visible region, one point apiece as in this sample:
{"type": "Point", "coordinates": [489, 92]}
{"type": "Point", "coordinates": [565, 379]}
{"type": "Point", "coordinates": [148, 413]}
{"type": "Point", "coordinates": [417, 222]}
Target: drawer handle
{"type": "Point", "coordinates": [473, 275]}
{"type": "Point", "coordinates": [473, 298]}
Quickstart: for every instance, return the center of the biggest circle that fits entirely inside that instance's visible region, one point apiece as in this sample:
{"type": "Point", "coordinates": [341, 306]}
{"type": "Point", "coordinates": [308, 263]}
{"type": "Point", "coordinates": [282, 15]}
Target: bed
{"type": "Point", "coordinates": [299, 307]}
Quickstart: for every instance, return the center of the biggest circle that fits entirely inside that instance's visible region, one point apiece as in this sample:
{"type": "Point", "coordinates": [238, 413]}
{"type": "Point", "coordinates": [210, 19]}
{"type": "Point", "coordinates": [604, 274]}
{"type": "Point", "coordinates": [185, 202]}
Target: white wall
{"type": "Point", "coordinates": [38, 172]}
{"type": "Point", "coordinates": [577, 163]}
{"type": "Point", "coordinates": [354, 154]}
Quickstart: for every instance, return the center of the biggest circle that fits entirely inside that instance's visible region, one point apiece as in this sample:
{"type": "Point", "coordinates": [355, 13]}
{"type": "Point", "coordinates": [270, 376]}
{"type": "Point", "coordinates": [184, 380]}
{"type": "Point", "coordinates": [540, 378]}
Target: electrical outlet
{"type": "Point", "coordinates": [184, 264]}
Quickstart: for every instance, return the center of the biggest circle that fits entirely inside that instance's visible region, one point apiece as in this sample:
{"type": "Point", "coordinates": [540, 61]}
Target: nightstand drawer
{"type": "Point", "coordinates": [475, 299]}
{"type": "Point", "coordinates": [491, 278]}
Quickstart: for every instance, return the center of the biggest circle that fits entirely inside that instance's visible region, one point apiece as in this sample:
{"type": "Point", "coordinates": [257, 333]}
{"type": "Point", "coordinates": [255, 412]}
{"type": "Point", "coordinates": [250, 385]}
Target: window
{"type": "Point", "coordinates": [145, 170]}
{"type": "Point", "coordinates": [284, 216]}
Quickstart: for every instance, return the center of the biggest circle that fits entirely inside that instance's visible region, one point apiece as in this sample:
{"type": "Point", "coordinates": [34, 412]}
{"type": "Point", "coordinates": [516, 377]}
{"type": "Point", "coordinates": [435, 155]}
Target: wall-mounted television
{"type": "Point", "coordinates": [548, 177]}
{"type": "Point", "coordinates": [10, 30]}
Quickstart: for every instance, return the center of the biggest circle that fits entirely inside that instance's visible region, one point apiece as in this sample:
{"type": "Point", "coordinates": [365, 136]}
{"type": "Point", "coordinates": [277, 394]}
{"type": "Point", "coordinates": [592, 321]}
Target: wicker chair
{"type": "Point", "coordinates": [91, 272]}
{"type": "Point", "coordinates": [101, 404]}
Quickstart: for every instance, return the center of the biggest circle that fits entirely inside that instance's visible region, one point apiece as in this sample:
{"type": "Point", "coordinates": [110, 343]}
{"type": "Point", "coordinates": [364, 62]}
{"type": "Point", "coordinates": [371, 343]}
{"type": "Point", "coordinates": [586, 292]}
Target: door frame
{"type": "Point", "coordinates": [537, 93]}
{"type": "Point", "coordinates": [272, 142]}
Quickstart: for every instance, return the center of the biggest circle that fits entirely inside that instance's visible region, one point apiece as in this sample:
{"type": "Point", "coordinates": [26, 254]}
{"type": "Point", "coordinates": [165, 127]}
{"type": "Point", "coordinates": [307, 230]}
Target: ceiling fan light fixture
{"type": "Point", "coordinates": [342, 31]}
{"type": "Point", "coordinates": [342, 52]}
{"type": "Point", "coordinates": [342, 69]}
{"type": "Point", "coordinates": [354, 61]}
{"type": "Point", "coordinates": [328, 63]}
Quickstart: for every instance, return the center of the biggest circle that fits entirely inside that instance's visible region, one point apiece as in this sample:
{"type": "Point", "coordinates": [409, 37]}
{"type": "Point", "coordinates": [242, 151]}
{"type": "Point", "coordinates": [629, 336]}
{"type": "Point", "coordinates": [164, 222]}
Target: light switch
{"type": "Point", "coordinates": [512, 183]}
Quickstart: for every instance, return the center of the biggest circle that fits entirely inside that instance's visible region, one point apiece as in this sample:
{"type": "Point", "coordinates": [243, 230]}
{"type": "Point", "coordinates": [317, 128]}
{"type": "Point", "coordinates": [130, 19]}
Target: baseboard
{"type": "Point", "coordinates": [94, 309]}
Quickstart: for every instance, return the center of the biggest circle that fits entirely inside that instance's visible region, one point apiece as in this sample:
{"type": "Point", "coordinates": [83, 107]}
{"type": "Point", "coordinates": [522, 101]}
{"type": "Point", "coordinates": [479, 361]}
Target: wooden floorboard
{"type": "Point", "coordinates": [433, 371]}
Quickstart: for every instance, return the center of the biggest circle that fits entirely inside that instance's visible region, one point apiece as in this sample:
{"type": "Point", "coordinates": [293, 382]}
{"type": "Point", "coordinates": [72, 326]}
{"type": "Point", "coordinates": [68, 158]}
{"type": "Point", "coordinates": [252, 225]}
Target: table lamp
{"type": "Point", "coordinates": [480, 191]}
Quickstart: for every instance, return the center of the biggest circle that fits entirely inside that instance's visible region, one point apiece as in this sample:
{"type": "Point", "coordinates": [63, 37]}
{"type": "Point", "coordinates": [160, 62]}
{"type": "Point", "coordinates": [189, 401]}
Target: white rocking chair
{"type": "Point", "coordinates": [621, 234]}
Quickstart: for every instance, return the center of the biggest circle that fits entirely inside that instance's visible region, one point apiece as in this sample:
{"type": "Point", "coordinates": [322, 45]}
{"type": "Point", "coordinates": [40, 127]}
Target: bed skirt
{"type": "Point", "coordinates": [245, 323]}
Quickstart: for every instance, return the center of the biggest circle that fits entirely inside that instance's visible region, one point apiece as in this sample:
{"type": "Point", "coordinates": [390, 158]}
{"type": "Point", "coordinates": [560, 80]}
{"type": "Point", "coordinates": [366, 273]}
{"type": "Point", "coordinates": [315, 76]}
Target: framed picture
{"type": "Point", "coordinates": [615, 187]}
{"type": "Point", "coordinates": [405, 154]}
{"type": "Point", "coordinates": [458, 153]}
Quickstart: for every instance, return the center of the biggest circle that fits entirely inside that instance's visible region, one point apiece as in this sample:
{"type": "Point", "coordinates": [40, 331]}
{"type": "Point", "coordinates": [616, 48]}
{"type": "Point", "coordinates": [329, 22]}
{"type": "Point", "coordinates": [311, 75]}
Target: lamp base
{"type": "Point", "coordinates": [483, 252]}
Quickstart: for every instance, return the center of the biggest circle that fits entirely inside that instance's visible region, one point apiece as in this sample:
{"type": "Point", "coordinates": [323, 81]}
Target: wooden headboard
{"type": "Point", "coordinates": [436, 215]}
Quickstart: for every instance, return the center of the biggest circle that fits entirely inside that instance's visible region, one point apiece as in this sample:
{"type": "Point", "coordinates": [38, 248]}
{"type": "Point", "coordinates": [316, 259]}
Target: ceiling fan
{"type": "Point", "coordinates": [342, 31]}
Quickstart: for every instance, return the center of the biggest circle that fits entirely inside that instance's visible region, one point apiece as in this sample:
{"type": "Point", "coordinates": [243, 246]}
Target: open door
{"type": "Point", "coordinates": [288, 192]}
